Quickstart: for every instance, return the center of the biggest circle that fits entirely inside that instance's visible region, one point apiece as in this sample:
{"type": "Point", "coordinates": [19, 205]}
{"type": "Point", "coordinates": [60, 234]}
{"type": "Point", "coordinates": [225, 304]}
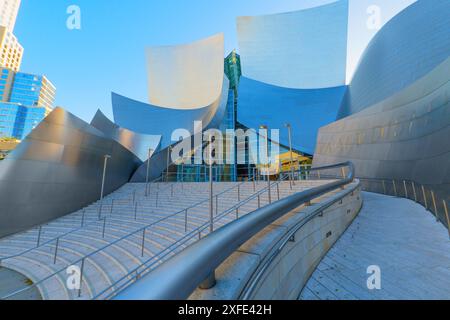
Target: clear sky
{"type": "Point", "coordinates": [107, 54]}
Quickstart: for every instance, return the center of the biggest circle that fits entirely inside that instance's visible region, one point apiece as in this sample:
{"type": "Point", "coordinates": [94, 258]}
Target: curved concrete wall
{"type": "Point", "coordinates": [306, 110]}
{"type": "Point", "coordinates": [405, 137]}
{"type": "Point", "coordinates": [407, 48]}
{"type": "Point", "coordinates": [57, 170]}
{"type": "Point", "coordinates": [186, 76]}
{"type": "Point", "coordinates": [303, 49]}
{"type": "Point", "coordinates": [138, 144]}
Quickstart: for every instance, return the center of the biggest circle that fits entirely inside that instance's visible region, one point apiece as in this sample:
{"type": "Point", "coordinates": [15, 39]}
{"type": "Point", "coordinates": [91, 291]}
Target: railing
{"type": "Point", "coordinates": [81, 261]}
{"type": "Point", "coordinates": [83, 225]}
{"type": "Point", "coordinates": [148, 265]}
{"type": "Point", "coordinates": [420, 193]}
{"type": "Point", "coordinates": [178, 277]}
{"type": "Point", "coordinates": [278, 247]}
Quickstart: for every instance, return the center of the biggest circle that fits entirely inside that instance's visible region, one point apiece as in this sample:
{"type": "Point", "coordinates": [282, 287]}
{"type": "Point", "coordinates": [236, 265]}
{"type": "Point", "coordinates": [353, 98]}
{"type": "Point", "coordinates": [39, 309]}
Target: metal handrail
{"type": "Point", "coordinates": [285, 240]}
{"type": "Point", "coordinates": [418, 193]}
{"type": "Point", "coordinates": [194, 233]}
{"type": "Point", "coordinates": [178, 277]}
{"type": "Point", "coordinates": [58, 237]}
{"type": "Point", "coordinates": [115, 242]}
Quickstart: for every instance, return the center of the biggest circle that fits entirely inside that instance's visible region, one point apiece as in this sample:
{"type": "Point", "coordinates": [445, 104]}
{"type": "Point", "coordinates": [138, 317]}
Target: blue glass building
{"type": "Point", "coordinates": [18, 121]}
{"type": "Point", "coordinates": [25, 100]}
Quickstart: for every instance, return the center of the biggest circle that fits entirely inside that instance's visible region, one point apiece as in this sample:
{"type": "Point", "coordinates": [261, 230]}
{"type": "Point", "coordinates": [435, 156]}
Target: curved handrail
{"type": "Point", "coordinates": [34, 285]}
{"type": "Point", "coordinates": [181, 241]}
{"type": "Point", "coordinates": [283, 242]}
{"type": "Point", "coordinates": [178, 277]}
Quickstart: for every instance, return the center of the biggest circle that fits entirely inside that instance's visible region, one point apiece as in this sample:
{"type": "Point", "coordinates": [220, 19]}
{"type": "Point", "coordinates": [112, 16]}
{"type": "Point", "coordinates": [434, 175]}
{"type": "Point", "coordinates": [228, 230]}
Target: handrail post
{"type": "Point", "coordinates": [278, 191]}
{"type": "Point", "coordinates": [39, 236]}
{"type": "Point", "coordinates": [406, 189]}
{"type": "Point", "coordinates": [447, 216]}
{"type": "Point", "coordinates": [56, 250]}
{"type": "Point", "coordinates": [239, 193]}
{"type": "Point", "coordinates": [156, 200]}
{"type": "Point", "coordinates": [81, 277]}
{"type": "Point", "coordinates": [143, 243]}
{"type": "Point", "coordinates": [435, 206]}
{"type": "Point", "coordinates": [425, 197]}
{"type": "Point", "coordinates": [185, 220]}
{"type": "Point", "coordinates": [217, 205]}
{"type": "Point", "coordinates": [254, 184]}
{"type": "Point", "coordinates": [384, 187]}
{"type": "Point", "coordinates": [148, 172]}
{"type": "Point", "coordinates": [395, 188]}
{"type": "Point", "coordinates": [209, 282]}
{"type": "Point", "coordinates": [104, 227]}
{"type": "Point", "coordinates": [171, 190]}
{"type": "Point", "coordinates": [82, 218]}
{"type": "Point", "coordinates": [112, 206]}
{"type": "Point", "coordinates": [414, 191]}
{"type": "Point", "coordinates": [135, 210]}
{"type": "Point", "coordinates": [100, 210]}
{"type": "Point", "coordinates": [259, 201]}
{"type": "Point", "coordinates": [211, 194]}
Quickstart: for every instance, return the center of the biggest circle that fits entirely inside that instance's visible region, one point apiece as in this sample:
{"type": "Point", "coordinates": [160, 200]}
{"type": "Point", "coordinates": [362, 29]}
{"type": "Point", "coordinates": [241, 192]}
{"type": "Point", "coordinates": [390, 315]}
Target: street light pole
{"type": "Point", "coordinates": [150, 150]}
{"type": "Point", "coordinates": [105, 163]}
{"type": "Point", "coordinates": [268, 162]}
{"type": "Point", "coordinates": [168, 163]}
{"type": "Point", "coordinates": [290, 150]}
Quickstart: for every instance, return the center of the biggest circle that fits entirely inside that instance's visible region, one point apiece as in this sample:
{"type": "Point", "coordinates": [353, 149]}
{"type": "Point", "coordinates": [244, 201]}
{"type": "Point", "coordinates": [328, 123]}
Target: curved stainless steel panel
{"type": "Point", "coordinates": [186, 76]}
{"type": "Point", "coordinates": [302, 49]}
{"type": "Point", "coordinates": [408, 47]}
{"type": "Point", "coordinates": [57, 170]}
{"type": "Point", "coordinates": [139, 144]}
{"type": "Point", "coordinates": [405, 137]}
{"type": "Point", "coordinates": [306, 110]}
{"type": "Point", "coordinates": [152, 120]}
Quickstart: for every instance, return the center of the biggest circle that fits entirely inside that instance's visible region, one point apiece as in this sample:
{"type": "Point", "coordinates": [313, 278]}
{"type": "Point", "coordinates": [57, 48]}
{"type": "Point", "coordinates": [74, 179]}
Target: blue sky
{"type": "Point", "coordinates": [107, 54]}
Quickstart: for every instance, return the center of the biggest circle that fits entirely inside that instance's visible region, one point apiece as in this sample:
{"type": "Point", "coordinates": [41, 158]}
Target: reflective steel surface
{"type": "Point", "coordinates": [152, 120]}
{"type": "Point", "coordinates": [408, 47]}
{"type": "Point", "coordinates": [57, 170]}
{"type": "Point", "coordinates": [139, 144]}
{"type": "Point", "coordinates": [305, 110]}
{"type": "Point", "coordinates": [405, 137]}
{"type": "Point", "coordinates": [186, 76]}
{"type": "Point", "coordinates": [304, 49]}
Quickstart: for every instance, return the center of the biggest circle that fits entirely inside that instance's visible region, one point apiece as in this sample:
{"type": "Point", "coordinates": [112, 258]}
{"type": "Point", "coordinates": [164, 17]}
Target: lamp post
{"type": "Point", "coordinates": [289, 127]}
{"type": "Point", "coordinates": [264, 127]}
{"type": "Point", "coordinates": [150, 151]}
{"type": "Point", "coordinates": [168, 163]}
{"type": "Point", "coordinates": [210, 281]}
{"type": "Point", "coordinates": [105, 163]}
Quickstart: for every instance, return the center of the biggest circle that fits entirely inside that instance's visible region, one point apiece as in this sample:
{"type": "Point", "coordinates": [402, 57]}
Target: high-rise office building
{"type": "Point", "coordinates": [16, 120]}
{"type": "Point", "coordinates": [33, 91]}
{"type": "Point", "coordinates": [6, 82]}
{"type": "Point", "coordinates": [8, 13]}
{"type": "Point", "coordinates": [25, 99]}
{"type": "Point", "coordinates": [11, 51]}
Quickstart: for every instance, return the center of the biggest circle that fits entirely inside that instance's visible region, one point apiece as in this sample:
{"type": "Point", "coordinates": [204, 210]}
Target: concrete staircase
{"type": "Point", "coordinates": [110, 240]}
